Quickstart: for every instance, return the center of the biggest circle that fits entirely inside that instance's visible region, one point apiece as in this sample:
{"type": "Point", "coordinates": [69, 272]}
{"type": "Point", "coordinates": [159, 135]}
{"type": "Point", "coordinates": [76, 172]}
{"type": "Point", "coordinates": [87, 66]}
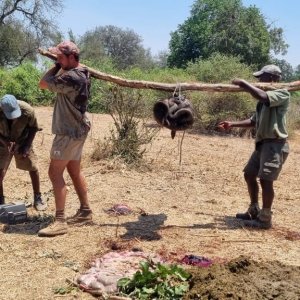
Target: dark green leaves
{"type": "Point", "coordinates": [156, 281]}
{"type": "Point", "coordinates": [226, 27]}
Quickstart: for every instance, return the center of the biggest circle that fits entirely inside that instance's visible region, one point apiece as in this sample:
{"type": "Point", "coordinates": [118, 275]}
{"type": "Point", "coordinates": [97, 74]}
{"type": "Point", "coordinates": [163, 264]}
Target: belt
{"type": "Point", "coordinates": [280, 141]}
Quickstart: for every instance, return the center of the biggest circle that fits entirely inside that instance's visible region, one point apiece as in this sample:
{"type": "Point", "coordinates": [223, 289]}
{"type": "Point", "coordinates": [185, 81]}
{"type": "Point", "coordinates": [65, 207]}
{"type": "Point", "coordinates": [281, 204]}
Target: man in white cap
{"type": "Point", "coordinates": [18, 127]}
{"type": "Point", "coordinates": [271, 147]}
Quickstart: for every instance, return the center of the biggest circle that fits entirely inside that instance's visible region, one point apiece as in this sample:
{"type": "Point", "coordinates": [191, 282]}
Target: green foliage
{"type": "Point", "coordinates": [99, 88]}
{"type": "Point", "coordinates": [278, 45]}
{"type": "Point", "coordinates": [293, 117]}
{"type": "Point", "coordinates": [296, 75]}
{"type": "Point", "coordinates": [224, 26]}
{"type": "Point", "coordinates": [22, 82]}
{"type": "Point", "coordinates": [14, 39]}
{"type": "Point", "coordinates": [286, 68]}
{"type": "Point", "coordinates": [165, 75]}
{"type": "Point", "coordinates": [211, 108]}
{"type": "Point", "coordinates": [156, 281]}
{"type": "Point", "coordinates": [123, 47]}
{"type": "Point", "coordinates": [25, 26]}
{"type": "Point", "coordinates": [66, 290]}
{"type": "Point", "coordinates": [219, 68]}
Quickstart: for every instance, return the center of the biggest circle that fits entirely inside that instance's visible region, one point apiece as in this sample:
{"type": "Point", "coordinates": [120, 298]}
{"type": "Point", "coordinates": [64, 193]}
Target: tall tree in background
{"type": "Point", "coordinates": [124, 47]}
{"type": "Point", "coordinates": [286, 68]}
{"type": "Point", "coordinates": [26, 25]}
{"type": "Point", "coordinates": [297, 73]}
{"type": "Point", "coordinates": [227, 27]}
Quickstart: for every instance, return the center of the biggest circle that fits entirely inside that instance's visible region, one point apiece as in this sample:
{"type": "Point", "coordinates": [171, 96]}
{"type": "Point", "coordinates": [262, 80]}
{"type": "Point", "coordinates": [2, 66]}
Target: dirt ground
{"type": "Point", "coordinates": [178, 210]}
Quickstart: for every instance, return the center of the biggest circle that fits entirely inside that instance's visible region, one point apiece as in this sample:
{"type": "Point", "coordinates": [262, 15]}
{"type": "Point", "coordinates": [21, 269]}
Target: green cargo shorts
{"type": "Point", "coordinates": [267, 160]}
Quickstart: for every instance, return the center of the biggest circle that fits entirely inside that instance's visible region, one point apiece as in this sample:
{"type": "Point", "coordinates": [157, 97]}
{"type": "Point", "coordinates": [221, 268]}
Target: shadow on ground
{"type": "Point", "coordinates": [145, 228]}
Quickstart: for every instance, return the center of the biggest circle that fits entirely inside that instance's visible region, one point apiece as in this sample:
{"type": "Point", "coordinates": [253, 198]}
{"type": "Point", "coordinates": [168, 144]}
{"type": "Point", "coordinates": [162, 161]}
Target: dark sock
{"type": "Point", "coordinates": [84, 207]}
{"type": "Point", "coordinates": [60, 215]}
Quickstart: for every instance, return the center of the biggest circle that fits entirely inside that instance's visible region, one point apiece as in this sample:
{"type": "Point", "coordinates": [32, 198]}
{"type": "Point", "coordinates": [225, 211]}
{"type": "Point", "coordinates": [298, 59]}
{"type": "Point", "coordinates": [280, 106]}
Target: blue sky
{"type": "Point", "coordinates": [153, 20]}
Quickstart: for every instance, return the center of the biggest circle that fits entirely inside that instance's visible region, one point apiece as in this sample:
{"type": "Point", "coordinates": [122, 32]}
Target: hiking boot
{"type": "Point", "coordinates": [250, 214]}
{"type": "Point", "coordinates": [83, 216]}
{"type": "Point", "coordinates": [2, 200]}
{"type": "Point", "coordinates": [38, 203]}
{"type": "Point", "coordinates": [59, 227]}
{"type": "Point", "coordinates": [263, 220]}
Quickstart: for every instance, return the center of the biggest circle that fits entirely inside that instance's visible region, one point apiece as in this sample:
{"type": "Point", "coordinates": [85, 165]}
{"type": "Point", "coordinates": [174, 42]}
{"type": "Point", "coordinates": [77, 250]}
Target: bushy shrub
{"type": "Point", "coordinates": [100, 88]}
{"type": "Point", "coordinates": [130, 134]}
{"type": "Point", "coordinates": [22, 82]}
{"type": "Point", "coordinates": [219, 68]}
{"type": "Point", "coordinates": [212, 108]}
{"type": "Point", "coordinates": [293, 118]}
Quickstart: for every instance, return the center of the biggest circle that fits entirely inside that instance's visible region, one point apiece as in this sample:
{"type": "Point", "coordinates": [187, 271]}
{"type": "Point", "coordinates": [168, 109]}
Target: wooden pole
{"type": "Point", "coordinates": [171, 87]}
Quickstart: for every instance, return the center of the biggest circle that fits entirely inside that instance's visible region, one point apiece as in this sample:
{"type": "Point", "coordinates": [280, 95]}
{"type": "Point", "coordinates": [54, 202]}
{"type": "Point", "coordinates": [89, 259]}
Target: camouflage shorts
{"type": "Point", "coordinates": [267, 160]}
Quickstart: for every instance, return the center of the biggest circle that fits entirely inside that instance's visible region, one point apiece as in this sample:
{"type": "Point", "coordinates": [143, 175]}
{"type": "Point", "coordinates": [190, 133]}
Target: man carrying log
{"type": "Point", "coordinates": [271, 147]}
{"type": "Point", "coordinates": [70, 125]}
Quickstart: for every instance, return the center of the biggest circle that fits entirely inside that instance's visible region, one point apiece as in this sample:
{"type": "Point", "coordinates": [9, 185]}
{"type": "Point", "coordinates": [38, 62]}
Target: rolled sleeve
{"type": "Point", "coordinates": [62, 84]}
{"type": "Point", "coordinates": [278, 97]}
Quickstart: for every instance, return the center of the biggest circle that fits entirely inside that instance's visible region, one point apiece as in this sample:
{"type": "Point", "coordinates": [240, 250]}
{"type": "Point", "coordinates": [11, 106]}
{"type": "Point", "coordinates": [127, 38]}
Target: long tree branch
{"type": "Point", "coordinates": [6, 14]}
{"type": "Point", "coordinates": [218, 87]}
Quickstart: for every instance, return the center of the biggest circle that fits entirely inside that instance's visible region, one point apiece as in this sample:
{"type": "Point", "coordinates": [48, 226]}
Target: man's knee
{"type": "Point", "coordinates": [266, 184]}
{"type": "Point", "coordinates": [249, 178]}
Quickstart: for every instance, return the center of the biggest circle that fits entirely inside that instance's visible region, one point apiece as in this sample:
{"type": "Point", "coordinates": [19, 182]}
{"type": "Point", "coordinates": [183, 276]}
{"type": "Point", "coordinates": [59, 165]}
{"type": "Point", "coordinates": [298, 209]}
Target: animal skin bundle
{"type": "Point", "coordinates": [175, 113]}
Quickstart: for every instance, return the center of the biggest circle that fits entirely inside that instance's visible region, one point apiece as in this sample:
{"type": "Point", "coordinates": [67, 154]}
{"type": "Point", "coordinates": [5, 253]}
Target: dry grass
{"type": "Point", "coordinates": [179, 209]}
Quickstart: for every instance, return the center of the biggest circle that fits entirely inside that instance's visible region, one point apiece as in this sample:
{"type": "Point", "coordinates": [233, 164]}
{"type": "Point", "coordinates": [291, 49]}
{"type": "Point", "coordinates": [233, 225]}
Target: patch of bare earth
{"type": "Point", "coordinates": [178, 209]}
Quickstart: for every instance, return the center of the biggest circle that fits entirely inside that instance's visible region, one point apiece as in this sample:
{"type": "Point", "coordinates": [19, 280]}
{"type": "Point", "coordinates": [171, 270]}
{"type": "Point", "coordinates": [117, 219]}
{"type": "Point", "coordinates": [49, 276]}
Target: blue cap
{"type": "Point", "coordinates": [10, 107]}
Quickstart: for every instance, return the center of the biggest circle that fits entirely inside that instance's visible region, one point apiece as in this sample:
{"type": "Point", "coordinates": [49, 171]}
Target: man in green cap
{"type": "Point", "coordinates": [271, 147]}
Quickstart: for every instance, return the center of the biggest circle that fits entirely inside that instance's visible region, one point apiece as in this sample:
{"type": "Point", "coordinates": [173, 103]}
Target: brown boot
{"type": "Point", "coordinates": [83, 216]}
{"type": "Point", "coordinates": [59, 227]}
{"type": "Point", "coordinates": [263, 220]}
{"type": "Point", "coordinates": [38, 203]}
{"type": "Point", "coordinates": [250, 214]}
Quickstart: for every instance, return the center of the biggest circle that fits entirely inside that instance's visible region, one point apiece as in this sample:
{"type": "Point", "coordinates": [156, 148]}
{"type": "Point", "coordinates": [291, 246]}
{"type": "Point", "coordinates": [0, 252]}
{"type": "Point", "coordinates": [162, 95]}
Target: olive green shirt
{"type": "Point", "coordinates": [270, 118]}
{"type": "Point", "coordinates": [18, 132]}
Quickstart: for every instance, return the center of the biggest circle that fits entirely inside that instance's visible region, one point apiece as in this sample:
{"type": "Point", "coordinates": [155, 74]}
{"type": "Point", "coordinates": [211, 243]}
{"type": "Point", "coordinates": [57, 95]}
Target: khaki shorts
{"type": "Point", "coordinates": [267, 160]}
{"type": "Point", "coordinates": [23, 163]}
{"type": "Point", "coordinates": [67, 148]}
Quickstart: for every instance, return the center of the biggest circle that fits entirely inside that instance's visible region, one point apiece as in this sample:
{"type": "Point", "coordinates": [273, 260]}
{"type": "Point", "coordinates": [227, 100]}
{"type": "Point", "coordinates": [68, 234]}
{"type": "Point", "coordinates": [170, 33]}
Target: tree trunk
{"type": "Point", "coordinates": [192, 86]}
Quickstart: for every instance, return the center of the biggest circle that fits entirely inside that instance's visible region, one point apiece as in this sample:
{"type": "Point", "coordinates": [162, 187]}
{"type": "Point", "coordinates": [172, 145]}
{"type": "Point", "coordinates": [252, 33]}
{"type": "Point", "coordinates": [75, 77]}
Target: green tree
{"type": "Point", "coordinates": [26, 25]}
{"type": "Point", "coordinates": [124, 47]}
{"type": "Point", "coordinates": [297, 73]}
{"type": "Point", "coordinates": [278, 45]}
{"type": "Point", "coordinates": [161, 59]}
{"type": "Point", "coordinates": [21, 81]}
{"type": "Point", "coordinates": [211, 108]}
{"type": "Point", "coordinates": [286, 69]}
{"type": "Point", "coordinates": [227, 27]}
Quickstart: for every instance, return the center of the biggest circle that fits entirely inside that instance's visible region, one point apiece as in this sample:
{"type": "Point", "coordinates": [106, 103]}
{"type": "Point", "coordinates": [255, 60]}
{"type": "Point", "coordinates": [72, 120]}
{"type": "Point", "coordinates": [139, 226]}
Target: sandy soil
{"type": "Point", "coordinates": [178, 209]}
